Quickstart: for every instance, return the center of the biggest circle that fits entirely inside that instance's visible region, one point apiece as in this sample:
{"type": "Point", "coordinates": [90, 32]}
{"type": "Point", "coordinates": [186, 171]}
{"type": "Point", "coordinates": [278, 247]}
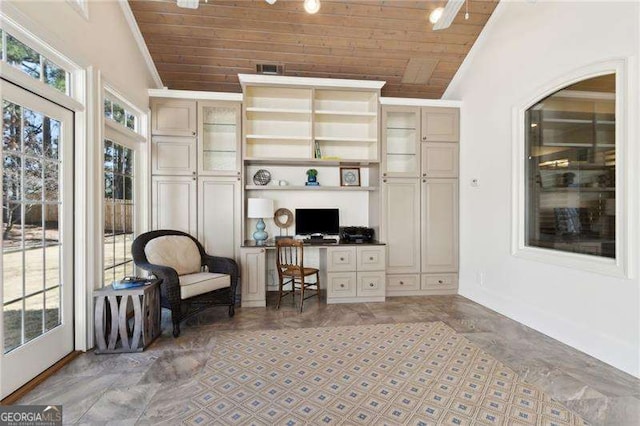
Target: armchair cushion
{"type": "Point", "coordinates": [175, 251]}
{"type": "Point", "coordinates": [202, 282]}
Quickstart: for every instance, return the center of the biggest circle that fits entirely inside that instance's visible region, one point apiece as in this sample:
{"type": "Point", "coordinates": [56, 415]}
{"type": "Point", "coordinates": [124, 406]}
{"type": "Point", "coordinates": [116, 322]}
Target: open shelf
{"type": "Point", "coordinates": [308, 161]}
{"type": "Point", "coordinates": [347, 113]}
{"type": "Point", "coordinates": [309, 188]}
{"type": "Point", "coordinates": [277, 137]}
{"type": "Point", "coordinates": [347, 139]}
{"type": "Point", "coordinates": [278, 110]}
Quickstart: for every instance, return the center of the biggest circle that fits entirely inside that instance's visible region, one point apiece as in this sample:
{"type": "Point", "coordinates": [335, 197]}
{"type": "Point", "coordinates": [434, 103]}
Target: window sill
{"type": "Point", "coordinates": [583, 262]}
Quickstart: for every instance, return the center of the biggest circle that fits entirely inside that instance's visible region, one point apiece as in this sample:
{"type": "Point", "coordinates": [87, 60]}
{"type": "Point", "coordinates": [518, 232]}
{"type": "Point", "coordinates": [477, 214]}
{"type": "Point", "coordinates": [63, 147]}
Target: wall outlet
{"type": "Point", "coordinates": [481, 279]}
{"type": "Point", "coordinates": [475, 183]}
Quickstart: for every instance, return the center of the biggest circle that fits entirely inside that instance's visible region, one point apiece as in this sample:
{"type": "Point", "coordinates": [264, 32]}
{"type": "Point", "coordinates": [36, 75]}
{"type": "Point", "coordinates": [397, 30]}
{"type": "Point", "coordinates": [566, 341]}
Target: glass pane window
{"type": "Point", "coordinates": [23, 57]}
{"type": "Point", "coordinates": [55, 76]}
{"type": "Point", "coordinates": [32, 63]}
{"type": "Point", "coordinates": [571, 169]}
{"type": "Point", "coordinates": [119, 208]}
{"type": "Point", "coordinates": [116, 112]}
{"type": "Point", "coordinates": [31, 176]}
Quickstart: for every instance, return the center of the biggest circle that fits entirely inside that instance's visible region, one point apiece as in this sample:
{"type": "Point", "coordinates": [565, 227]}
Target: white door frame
{"type": "Point", "coordinates": [25, 362]}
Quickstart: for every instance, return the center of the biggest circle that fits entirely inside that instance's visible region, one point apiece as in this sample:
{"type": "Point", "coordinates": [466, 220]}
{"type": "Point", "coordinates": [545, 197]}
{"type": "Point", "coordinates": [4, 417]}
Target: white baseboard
{"type": "Point", "coordinates": [615, 352]}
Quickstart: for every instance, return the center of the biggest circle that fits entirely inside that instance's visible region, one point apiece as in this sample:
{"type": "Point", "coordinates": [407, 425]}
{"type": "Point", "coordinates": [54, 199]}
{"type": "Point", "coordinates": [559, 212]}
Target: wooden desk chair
{"type": "Point", "coordinates": [291, 270]}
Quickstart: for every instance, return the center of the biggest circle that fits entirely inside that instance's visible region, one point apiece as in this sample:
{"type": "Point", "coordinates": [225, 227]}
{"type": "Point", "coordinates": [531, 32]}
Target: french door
{"type": "Point", "coordinates": [36, 324]}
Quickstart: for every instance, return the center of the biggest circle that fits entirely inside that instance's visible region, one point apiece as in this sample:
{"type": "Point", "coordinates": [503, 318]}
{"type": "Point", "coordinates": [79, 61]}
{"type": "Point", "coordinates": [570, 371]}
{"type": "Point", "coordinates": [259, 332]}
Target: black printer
{"type": "Point", "coordinates": [356, 234]}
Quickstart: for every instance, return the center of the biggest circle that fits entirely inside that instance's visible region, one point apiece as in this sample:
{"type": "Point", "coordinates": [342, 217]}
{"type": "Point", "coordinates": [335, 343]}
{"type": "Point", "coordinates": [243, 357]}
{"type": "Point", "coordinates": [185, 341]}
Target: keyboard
{"type": "Point", "coordinates": [319, 241]}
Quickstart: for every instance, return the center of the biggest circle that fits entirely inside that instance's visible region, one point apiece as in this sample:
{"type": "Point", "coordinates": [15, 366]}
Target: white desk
{"type": "Point", "coordinates": [350, 273]}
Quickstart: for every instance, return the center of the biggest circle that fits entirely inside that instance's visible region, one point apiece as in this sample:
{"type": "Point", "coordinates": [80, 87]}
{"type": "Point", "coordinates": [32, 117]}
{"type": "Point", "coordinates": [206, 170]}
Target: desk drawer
{"type": "Point", "coordinates": [371, 258]}
{"type": "Point", "coordinates": [403, 282]}
{"type": "Point", "coordinates": [439, 281]}
{"type": "Point", "coordinates": [341, 259]}
{"type": "Point", "coordinates": [371, 284]}
{"type": "Point", "coordinates": [341, 284]}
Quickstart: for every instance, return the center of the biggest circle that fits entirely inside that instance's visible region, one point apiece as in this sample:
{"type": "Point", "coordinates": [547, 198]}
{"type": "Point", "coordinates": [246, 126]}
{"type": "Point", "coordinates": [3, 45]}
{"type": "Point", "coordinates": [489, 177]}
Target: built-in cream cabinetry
{"type": "Point", "coordinates": [401, 199]}
{"type": "Point", "coordinates": [196, 168]}
{"type": "Point", "coordinates": [219, 228]}
{"type": "Point", "coordinates": [253, 275]}
{"type": "Point", "coordinates": [439, 220]}
{"type": "Point", "coordinates": [174, 203]}
{"type": "Point", "coordinates": [420, 198]}
{"type": "Point", "coordinates": [440, 124]}
{"type": "Point", "coordinates": [219, 138]}
{"type": "Point", "coordinates": [400, 141]}
{"type": "Point", "coordinates": [354, 273]}
{"type": "Point", "coordinates": [173, 156]}
{"type": "Point", "coordinates": [173, 117]}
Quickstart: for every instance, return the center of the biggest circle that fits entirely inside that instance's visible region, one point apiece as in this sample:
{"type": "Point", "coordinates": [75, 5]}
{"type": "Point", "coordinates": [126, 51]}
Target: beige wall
{"type": "Point", "coordinates": [103, 41]}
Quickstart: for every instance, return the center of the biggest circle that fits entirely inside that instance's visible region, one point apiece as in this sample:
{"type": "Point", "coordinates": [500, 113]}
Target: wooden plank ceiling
{"type": "Point", "coordinates": [391, 40]}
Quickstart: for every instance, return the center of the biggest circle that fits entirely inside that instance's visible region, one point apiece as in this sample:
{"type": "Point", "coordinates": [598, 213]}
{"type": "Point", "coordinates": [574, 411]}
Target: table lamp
{"type": "Point", "coordinates": [259, 208]}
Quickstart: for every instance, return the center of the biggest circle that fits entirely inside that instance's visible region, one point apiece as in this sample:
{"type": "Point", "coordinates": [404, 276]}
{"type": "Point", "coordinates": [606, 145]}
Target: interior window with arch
{"type": "Point", "coordinates": [570, 199]}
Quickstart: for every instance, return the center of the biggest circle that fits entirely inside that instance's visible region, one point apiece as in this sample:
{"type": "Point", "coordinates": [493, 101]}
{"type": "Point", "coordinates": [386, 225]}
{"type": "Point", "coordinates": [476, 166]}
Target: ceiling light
{"type": "Point", "coordinates": [312, 6]}
{"type": "Point", "coordinates": [189, 4]}
{"type": "Point", "coordinates": [271, 1]}
{"type": "Point", "coordinates": [436, 14]}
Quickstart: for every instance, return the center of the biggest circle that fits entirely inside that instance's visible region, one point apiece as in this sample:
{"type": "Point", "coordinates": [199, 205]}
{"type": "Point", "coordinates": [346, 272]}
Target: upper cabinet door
{"type": "Point", "coordinates": [400, 141]}
{"type": "Point", "coordinates": [440, 160]}
{"type": "Point", "coordinates": [171, 117]}
{"type": "Point", "coordinates": [219, 138]}
{"type": "Point", "coordinates": [440, 124]}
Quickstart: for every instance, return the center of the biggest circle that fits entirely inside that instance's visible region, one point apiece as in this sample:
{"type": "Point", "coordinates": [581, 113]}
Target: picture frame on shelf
{"type": "Point", "coordinates": [349, 176]}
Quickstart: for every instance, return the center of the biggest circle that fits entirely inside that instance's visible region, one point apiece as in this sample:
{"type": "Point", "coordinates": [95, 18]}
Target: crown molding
{"type": "Point", "coordinates": [280, 80]}
{"type": "Point", "coordinates": [194, 94]}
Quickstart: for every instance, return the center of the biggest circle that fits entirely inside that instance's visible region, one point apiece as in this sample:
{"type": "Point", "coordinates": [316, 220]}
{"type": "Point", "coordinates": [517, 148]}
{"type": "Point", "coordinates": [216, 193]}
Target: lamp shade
{"type": "Point", "coordinates": [258, 208]}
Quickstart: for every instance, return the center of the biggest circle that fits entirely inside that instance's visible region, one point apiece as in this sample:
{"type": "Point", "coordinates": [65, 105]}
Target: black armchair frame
{"type": "Point", "coordinates": [170, 286]}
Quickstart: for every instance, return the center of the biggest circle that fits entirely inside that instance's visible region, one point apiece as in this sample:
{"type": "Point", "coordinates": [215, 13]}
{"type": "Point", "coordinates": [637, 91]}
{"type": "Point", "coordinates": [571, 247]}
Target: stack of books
{"type": "Point", "coordinates": [130, 282]}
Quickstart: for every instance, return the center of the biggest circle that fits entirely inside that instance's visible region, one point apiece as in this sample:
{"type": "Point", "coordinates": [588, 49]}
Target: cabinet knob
{"type": "Point", "coordinates": [193, 133]}
{"type": "Point", "coordinates": [341, 285]}
{"type": "Point", "coordinates": [401, 282]}
{"type": "Point", "coordinates": [384, 180]}
{"type": "Point", "coordinates": [238, 179]}
{"type": "Point", "coordinates": [371, 284]}
{"type": "Point", "coordinates": [424, 180]}
{"type": "Point", "coordinates": [371, 258]}
{"type": "Point", "coordinates": [193, 172]}
{"type": "Point", "coordinates": [193, 178]}
{"type": "Point", "coordinates": [424, 174]}
{"type": "Point", "coordinates": [440, 281]}
{"type": "Point", "coordinates": [384, 174]}
{"type": "Point", "coordinates": [238, 173]}
{"type": "Point", "coordinates": [424, 138]}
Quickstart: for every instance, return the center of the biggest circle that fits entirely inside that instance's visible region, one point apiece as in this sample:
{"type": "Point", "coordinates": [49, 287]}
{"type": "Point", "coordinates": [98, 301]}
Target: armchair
{"type": "Point", "coordinates": [191, 279]}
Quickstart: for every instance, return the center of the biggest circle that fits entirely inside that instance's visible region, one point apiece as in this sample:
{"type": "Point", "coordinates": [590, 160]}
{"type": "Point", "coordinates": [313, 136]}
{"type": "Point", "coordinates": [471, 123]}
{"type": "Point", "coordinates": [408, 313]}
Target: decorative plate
{"type": "Point", "coordinates": [262, 177]}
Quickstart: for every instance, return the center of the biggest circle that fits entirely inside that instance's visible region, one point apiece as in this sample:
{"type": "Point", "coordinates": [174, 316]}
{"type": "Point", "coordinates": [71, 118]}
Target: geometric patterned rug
{"type": "Point", "coordinates": [410, 373]}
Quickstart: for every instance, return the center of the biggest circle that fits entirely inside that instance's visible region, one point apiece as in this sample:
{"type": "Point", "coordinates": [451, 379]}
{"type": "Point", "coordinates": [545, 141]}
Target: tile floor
{"type": "Point", "coordinates": [139, 388]}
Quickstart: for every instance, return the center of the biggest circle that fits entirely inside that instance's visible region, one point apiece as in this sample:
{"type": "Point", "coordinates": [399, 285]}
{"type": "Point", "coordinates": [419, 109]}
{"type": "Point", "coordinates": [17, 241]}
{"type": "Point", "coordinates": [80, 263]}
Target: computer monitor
{"type": "Point", "coordinates": [317, 221]}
